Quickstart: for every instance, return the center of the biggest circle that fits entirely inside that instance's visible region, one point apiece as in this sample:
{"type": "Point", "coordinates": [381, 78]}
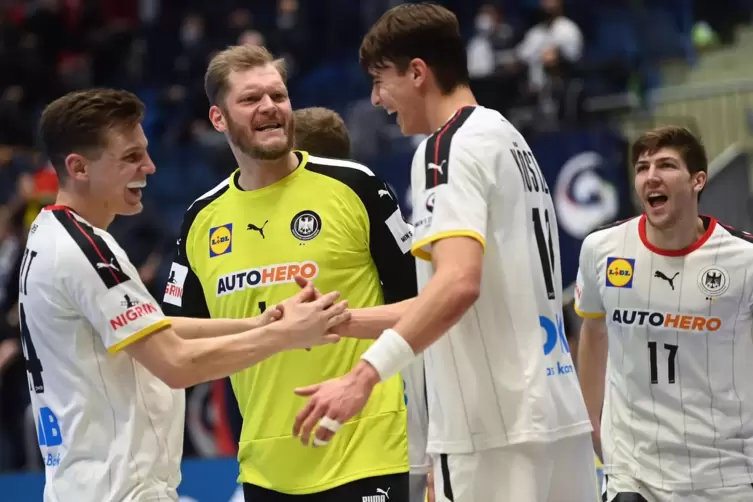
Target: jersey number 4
{"type": "Point", "coordinates": [33, 364]}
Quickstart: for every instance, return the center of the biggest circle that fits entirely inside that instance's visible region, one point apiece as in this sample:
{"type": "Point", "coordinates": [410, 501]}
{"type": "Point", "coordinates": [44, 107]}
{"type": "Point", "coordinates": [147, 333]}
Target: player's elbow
{"type": "Point", "coordinates": [464, 286]}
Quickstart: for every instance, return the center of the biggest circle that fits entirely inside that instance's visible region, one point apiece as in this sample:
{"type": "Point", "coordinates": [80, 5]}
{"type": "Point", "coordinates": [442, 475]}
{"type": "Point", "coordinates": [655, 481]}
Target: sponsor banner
{"type": "Point", "coordinates": [588, 175]}
{"type": "Point", "coordinates": [203, 481]}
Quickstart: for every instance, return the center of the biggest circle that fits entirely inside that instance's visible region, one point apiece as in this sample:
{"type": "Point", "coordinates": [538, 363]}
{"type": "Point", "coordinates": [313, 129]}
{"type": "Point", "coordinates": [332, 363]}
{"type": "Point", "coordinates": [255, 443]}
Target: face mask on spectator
{"type": "Point", "coordinates": [484, 23]}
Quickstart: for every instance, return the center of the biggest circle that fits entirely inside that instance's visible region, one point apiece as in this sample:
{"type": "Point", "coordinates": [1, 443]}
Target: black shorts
{"type": "Point", "coordinates": [390, 488]}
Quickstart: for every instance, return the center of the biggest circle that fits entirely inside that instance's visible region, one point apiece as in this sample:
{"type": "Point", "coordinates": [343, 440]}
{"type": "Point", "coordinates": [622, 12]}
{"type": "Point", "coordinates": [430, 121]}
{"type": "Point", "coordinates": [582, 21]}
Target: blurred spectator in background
{"type": "Point", "coordinates": [552, 45]}
{"type": "Point", "coordinates": [492, 65]}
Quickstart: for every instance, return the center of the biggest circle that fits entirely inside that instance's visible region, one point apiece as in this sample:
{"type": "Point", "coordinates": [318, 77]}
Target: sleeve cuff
{"type": "Point", "coordinates": [417, 249]}
{"type": "Point", "coordinates": [589, 315]}
{"type": "Point", "coordinates": [161, 324]}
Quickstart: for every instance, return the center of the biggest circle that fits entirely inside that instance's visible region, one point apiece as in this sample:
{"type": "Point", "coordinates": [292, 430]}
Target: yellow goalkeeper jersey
{"type": "Point", "coordinates": [334, 222]}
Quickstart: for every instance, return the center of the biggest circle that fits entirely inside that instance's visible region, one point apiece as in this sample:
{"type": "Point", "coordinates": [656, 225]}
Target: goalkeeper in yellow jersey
{"type": "Point", "coordinates": [285, 213]}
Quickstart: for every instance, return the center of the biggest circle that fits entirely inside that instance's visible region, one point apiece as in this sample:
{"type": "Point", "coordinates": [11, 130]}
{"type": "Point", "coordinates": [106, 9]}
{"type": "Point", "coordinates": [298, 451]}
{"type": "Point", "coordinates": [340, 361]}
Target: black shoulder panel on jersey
{"type": "Point", "coordinates": [97, 252]}
{"type": "Point", "coordinates": [740, 234]}
{"type": "Point", "coordinates": [197, 207]}
{"type": "Point", "coordinates": [611, 225]}
{"type": "Point", "coordinates": [396, 269]}
{"type": "Point", "coordinates": [437, 154]}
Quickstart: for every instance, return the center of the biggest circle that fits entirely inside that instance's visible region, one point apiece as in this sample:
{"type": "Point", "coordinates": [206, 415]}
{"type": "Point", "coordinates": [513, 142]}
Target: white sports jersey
{"type": "Point", "coordinates": [678, 406]}
{"type": "Point", "coordinates": [418, 416]}
{"type": "Point", "coordinates": [503, 374]}
{"type": "Point", "coordinates": [108, 429]}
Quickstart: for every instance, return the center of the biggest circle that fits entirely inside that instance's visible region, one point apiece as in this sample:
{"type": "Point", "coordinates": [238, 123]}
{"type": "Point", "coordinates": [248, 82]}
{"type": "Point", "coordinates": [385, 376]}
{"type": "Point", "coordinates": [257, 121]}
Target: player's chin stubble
{"type": "Point", "coordinates": [246, 143]}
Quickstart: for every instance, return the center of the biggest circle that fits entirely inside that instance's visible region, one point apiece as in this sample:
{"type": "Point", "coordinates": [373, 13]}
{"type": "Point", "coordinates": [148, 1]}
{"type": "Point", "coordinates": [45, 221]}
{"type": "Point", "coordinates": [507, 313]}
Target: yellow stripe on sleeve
{"type": "Point", "coordinates": [589, 315]}
{"type": "Point", "coordinates": [162, 324]}
{"type": "Point", "coordinates": [418, 251]}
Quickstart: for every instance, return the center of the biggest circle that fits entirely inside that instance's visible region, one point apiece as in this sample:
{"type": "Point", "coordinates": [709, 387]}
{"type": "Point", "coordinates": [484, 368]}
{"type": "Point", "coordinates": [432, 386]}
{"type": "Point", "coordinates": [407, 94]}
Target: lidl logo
{"type": "Point", "coordinates": [620, 272]}
{"type": "Point", "coordinates": [220, 240]}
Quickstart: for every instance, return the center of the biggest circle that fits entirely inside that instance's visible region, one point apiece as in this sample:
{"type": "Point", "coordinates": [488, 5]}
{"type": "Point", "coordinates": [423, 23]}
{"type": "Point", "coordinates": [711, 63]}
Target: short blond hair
{"type": "Point", "coordinates": [321, 132]}
{"type": "Point", "coordinates": [236, 58]}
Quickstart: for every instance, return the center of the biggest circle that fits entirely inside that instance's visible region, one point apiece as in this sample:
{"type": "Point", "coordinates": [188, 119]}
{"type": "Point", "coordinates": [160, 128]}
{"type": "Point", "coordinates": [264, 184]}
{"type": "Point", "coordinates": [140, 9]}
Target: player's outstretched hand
{"type": "Point", "coordinates": [307, 319]}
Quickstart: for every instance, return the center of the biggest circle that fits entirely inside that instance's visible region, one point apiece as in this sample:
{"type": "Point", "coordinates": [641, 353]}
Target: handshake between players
{"type": "Point", "coordinates": [307, 319]}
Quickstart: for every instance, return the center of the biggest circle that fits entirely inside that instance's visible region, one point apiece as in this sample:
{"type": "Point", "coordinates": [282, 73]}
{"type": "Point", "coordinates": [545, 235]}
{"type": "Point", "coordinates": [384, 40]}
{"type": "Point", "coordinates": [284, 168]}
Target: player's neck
{"type": "Point", "coordinates": [256, 174]}
{"type": "Point", "coordinates": [681, 235]}
{"type": "Point", "coordinates": [93, 211]}
{"type": "Point", "coordinates": [440, 107]}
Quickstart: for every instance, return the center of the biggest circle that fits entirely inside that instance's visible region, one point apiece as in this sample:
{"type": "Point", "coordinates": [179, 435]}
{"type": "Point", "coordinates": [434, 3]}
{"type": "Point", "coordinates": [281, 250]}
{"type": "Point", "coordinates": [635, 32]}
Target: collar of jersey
{"type": "Point", "coordinates": [59, 207]}
{"type": "Point", "coordinates": [709, 223]}
{"type": "Point", "coordinates": [277, 185]}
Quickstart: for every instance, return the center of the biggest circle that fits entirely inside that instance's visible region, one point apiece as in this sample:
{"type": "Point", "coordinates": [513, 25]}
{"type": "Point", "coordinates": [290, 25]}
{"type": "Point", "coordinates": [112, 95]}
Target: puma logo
{"type": "Point", "coordinates": [382, 193]}
{"type": "Point", "coordinates": [251, 226]}
{"type": "Point", "coordinates": [660, 275]}
{"type": "Point", "coordinates": [437, 167]}
{"type": "Point", "coordinates": [108, 265]}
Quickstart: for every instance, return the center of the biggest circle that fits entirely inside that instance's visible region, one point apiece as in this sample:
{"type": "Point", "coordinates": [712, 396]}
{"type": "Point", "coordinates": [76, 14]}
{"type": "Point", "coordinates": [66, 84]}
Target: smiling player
{"type": "Point", "coordinates": [330, 220]}
{"type": "Point", "coordinates": [665, 346]}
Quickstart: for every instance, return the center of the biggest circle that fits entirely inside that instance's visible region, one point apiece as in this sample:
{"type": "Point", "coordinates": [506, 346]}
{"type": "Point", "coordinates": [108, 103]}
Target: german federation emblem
{"type": "Point", "coordinates": [306, 225]}
{"type": "Point", "coordinates": [713, 281]}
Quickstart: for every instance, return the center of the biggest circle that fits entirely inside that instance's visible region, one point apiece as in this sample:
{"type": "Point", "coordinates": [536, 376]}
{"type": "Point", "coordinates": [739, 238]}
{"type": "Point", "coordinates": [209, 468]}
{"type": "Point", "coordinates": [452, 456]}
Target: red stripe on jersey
{"type": "Point", "coordinates": [675, 252]}
{"type": "Point", "coordinates": [436, 145]}
{"type": "Point", "coordinates": [94, 244]}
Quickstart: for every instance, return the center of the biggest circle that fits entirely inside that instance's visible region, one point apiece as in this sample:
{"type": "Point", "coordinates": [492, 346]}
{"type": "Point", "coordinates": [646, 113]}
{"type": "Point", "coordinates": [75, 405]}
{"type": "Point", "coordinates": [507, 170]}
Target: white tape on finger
{"type": "Point", "coordinates": [330, 424]}
{"type": "Point", "coordinates": [319, 442]}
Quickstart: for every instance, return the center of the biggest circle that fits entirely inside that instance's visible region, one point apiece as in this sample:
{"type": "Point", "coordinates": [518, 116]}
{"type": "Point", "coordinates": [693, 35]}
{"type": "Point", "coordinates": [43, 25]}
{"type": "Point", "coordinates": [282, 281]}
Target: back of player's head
{"type": "Point", "coordinates": [418, 31]}
{"type": "Point", "coordinates": [80, 121]}
{"type": "Point", "coordinates": [235, 59]}
{"type": "Point", "coordinates": [679, 139]}
{"type": "Point", "coordinates": [322, 132]}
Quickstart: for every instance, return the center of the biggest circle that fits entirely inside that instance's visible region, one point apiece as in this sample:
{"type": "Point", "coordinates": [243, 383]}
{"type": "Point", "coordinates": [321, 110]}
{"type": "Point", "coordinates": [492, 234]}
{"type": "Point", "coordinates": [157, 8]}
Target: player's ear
{"type": "Point", "coordinates": [419, 71]}
{"type": "Point", "coordinates": [217, 118]}
{"type": "Point", "coordinates": [76, 166]}
{"type": "Point", "coordinates": [699, 181]}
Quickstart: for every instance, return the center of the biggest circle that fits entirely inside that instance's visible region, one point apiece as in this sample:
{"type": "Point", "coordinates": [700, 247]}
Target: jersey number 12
{"type": "Point", "coordinates": [546, 249]}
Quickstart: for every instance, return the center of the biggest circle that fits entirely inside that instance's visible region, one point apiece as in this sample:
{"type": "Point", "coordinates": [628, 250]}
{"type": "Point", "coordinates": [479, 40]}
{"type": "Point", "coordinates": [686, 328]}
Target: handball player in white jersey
{"type": "Point", "coordinates": [105, 366]}
{"type": "Point", "coordinates": [666, 350]}
{"type": "Point", "coordinates": [507, 421]}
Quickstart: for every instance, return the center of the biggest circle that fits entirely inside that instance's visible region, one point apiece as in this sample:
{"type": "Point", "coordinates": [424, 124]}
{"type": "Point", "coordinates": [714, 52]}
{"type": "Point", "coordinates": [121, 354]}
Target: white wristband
{"type": "Point", "coordinates": [389, 355]}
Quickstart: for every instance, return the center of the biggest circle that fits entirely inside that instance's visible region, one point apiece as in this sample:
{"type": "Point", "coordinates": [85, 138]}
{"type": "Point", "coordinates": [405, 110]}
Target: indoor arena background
{"type": "Point", "coordinates": [643, 63]}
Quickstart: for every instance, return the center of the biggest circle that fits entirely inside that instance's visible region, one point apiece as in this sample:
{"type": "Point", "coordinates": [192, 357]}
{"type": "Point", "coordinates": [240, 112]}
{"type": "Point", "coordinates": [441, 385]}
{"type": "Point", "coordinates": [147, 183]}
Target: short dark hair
{"type": "Point", "coordinates": [688, 145]}
{"type": "Point", "coordinates": [80, 121]}
{"type": "Point", "coordinates": [321, 131]}
{"type": "Point", "coordinates": [425, 31]}
{"type": "Point", "coordinates": [682, 140]}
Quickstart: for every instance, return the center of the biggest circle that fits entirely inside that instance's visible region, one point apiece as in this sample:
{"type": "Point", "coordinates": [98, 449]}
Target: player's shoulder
{"type": "Point", "coordinates": [608, 232]}
{"type": "Point", "coordinates": [350, 175]}
{"type": "Point", "coordinates": [740, 237]}
{"type": "Point", "coordinates": [471, 128]}
{"type": "Point", "coordinates": [339, 169]}
{"type": "Point", "coordinates": [205, 200]}
{"type": "Point", "coordinates": [77, 246]}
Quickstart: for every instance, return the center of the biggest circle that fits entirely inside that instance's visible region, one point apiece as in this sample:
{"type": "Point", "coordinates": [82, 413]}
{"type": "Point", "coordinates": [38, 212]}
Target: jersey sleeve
{"type": "Point", "coordinates": [104, 287]}
{"type": "Point", "coordinates": [184, 295]}
{"type": "Point", "coordinates": [389, 241]}
{"type": "Point", "coordinates": [587, 293]}
{"type": "Point", "coordinates": [452, 195]}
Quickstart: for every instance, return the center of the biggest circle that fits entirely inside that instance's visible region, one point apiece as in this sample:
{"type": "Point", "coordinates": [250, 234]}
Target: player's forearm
{"type": "Point", "coordinates": [369, 322]}
{"type": "Point", "coordinates": [592, 367]}
{"type": "Point", "coordinates": [189, 328]}
{"type": "Point", "coordinates": [440, 305]}
{"type": "Point", "coordinates": [206, 359]}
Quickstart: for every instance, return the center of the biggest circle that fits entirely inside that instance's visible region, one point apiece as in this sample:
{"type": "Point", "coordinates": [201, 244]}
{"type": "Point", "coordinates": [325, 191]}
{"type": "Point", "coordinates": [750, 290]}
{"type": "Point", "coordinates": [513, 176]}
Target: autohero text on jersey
{"type": "Point", "coordinates": [265, 276]}
{"type": "Point", "coordinates": [665, 320]}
